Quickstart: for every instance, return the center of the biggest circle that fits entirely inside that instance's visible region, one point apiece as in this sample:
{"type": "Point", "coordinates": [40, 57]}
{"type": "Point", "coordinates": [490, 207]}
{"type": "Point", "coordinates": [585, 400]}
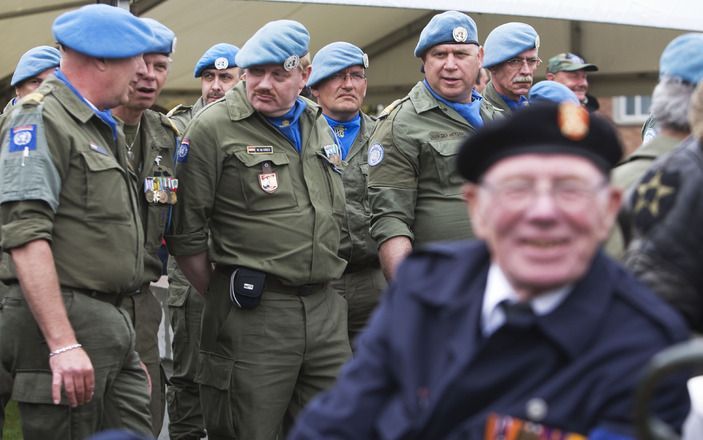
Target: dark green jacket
{"type": "Point", "coordinates": [181, 115]}
{"type": "Point", "coordinates": [491, 95]}
{"type": "Point", "coordinates": [267, 208]}
{"type": "Point", "coordinates": [74, 190]}
{"type": "Point", "coordinates": [415, 190]}
{"type": "Point", "coordinates": [357, 247]}
{"type": "Point", "coordinates": [158, 139]}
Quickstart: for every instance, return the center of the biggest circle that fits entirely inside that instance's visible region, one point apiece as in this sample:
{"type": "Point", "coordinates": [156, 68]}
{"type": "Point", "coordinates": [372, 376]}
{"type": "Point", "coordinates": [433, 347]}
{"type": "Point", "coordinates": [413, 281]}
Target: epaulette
{"type": "Point", "coordinates": [180, 108]}
{"type": "Point", "coordinates": [169, 123]}
{"type": "Point", "coordinates": [34, 98]}
{"type": "Point", "coordinates": [386, 111]}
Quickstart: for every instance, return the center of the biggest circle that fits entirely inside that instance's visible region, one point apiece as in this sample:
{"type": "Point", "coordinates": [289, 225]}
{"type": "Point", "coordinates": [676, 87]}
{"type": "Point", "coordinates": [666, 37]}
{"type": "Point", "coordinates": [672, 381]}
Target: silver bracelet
{"type": "Point", "coordinates": [58, 351]}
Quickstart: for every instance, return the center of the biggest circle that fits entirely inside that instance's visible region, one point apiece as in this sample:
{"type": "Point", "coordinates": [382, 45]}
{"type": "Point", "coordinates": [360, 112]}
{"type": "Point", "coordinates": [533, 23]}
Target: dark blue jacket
{"type": "Point", "coordinates": [423, 370]}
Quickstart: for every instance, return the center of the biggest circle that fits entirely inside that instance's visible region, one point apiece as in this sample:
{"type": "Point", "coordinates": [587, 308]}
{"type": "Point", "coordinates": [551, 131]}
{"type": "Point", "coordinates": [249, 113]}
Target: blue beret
{"type": "Point", "coordinates": [220, 57]}
{"type": "Point", "coordinates": [103, 31]}
{"type": "Point", "coordinates": [336, 57]}
{"type": "Point", "coordinates": [277, 42]}
{"type": "Point", "coordinates": [683, 58]}
{"type": "Point", "coordinates": [448, 27]}
{"type": "Point", "coordinates": [35, 61]}
{"type": "Point", "coordinates": [164, 38]}
{"type": "Point", "coordinates": [543, 128]}
{"type": "Point", "coordinates": [551, 91]}
{"type": "Point", "coordinates": [507, 41]}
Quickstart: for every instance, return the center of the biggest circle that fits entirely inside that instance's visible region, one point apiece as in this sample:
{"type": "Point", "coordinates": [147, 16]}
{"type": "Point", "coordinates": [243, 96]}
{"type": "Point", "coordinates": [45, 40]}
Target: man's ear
{"type": "Point", "coordinates": [473, 205]}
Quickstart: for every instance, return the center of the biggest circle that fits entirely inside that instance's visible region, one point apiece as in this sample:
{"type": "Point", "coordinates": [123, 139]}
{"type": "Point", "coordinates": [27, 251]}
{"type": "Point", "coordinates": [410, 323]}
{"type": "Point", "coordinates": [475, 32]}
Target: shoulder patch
{"type": "Point", "coordinates": [23, 137]}
{"type": "Point", "coordinates": [376, 154]}
{"type": "Point", "coordinates": [33, 98]}
{"type": "Point", "coordinates": [180, 108]}
{"type": "Point", "coordinates": [165, 121]}
{"type": "Point", "coordinates": [654, 197]}
{"type": "Point", "coordinates": [182, 154]}
{"type": "Point", "coordinates": [386, 111]}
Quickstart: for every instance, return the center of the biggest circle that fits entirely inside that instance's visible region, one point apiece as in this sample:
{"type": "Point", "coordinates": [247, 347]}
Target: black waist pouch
{"type": "Point", "coordinates": [246, 287]}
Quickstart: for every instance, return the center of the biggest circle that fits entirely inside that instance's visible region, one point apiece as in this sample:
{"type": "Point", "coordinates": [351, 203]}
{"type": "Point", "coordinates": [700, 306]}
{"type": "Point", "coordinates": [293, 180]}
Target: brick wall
{"type": "Point", "coordinates": [631, 135]}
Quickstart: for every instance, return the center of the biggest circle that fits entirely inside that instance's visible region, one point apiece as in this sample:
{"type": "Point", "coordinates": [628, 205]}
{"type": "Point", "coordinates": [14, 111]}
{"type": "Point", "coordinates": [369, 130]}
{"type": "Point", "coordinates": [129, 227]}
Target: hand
{"type": "Point", "coordinates": [73, 371]}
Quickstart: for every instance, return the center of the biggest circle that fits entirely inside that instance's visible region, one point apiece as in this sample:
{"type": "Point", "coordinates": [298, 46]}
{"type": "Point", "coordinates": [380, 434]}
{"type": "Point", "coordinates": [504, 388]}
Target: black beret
{"type": "Point", "coordinates": [564, 128]}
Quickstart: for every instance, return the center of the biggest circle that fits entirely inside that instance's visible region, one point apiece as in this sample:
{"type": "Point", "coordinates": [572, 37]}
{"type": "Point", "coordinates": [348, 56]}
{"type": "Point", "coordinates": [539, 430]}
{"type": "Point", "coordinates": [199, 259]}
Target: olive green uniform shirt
{"type": "Point", "coordinates": [627, 174]}
{"type": "Point", "coordinates": [631, 170]}
{"type": "Point", "coordinates": [181, 115]}
{"type": "Point", "coordinates": [415, 189]}
{"type": "Point", "coordinates": [158, 137]}
{"type": "Point", "coordinates": [262, 204]}
{"type": "Point", "coordinates": [491, 95]}
{"type": "Point", "coordinates": [74, 190]}
{"type": "Point", "coordinates": [357, 247]}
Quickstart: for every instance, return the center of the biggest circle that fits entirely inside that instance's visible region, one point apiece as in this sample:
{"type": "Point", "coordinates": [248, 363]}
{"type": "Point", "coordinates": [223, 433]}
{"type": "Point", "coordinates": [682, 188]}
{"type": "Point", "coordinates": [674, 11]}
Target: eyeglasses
{"type": "Point", "coordinates": [356, 77]}
{"type": "Point", "coordinates": [570, 195]}
{"type": "Point", "coordinates": [518, 62]}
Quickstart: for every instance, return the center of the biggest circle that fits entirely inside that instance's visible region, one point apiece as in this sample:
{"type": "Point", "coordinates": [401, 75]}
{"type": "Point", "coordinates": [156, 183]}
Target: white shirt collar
{"type": "Point", "coordinates": [498, 288]}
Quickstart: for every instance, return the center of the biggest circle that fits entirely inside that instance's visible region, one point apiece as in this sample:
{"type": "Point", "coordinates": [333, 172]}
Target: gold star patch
{"type": "Point", "coordinates": [658, 191]}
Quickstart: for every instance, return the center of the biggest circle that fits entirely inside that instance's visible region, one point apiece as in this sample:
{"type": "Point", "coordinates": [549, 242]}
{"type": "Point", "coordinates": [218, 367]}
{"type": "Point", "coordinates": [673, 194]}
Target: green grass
{"type": "Point", "coordinates": [12, 429]}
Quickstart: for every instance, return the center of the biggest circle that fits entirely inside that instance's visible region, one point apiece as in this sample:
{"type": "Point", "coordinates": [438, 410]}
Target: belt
{"type": "Point", "coordinates": [276, 284]}
{"type": "Point", "coordinates": [358, 267]}
{"type": "Point", "coordinates": [110, 298]}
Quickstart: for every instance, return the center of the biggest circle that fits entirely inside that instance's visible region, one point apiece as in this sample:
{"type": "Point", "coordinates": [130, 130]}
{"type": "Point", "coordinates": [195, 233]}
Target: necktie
{"type": "Point", "coordinates": [518, 314]}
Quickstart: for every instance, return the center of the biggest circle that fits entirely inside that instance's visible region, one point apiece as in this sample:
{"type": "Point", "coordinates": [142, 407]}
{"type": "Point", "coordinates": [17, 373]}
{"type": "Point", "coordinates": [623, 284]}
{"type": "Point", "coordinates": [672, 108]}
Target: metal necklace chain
{"type": "Point", "coordinates": [130, 151]}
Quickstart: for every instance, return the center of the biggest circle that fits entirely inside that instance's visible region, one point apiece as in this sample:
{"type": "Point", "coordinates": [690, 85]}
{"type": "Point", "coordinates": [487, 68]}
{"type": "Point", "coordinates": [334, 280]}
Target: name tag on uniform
{"type": "Point", "coordinates": [260, 149]}
{"type": "Point", "coordinates": [23, 138]}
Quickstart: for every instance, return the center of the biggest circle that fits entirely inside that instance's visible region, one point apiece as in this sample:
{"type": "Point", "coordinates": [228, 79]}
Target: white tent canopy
{"type": "Point", "coordinates": [677, 14]}
{"type": "Point", "coordinates": [624, 38]}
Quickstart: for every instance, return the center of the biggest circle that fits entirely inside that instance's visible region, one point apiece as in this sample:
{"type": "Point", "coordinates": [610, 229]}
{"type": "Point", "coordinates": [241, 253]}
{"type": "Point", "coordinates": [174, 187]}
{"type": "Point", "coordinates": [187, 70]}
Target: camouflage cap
{"type": "Point", "coordinates": [569, 62]}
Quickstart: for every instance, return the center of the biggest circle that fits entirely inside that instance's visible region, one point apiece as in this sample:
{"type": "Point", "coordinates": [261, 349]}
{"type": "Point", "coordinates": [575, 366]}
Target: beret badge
{"type": "Point", "coordinates": [573, 121]}
{"type": "Point", "coordinates": [460, 34]}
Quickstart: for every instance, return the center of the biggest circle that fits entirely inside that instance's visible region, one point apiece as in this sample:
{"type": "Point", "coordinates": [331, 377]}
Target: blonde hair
{"type": "Point", "coordinates": [695, 112]}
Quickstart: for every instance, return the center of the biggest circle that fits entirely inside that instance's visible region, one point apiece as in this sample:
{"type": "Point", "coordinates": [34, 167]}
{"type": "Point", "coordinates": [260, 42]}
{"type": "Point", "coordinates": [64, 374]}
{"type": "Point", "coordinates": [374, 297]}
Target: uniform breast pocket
{"type": "Point", "coordinates": [266, 181]}
{"type": "Point", "coordinates": [444, 154]}
{"type": "Point", "coordinates": [364, 169]}
{"type": "Point", "coordinates": [335, 185]}
{"type": "Point", "coordinates": [105, 190]}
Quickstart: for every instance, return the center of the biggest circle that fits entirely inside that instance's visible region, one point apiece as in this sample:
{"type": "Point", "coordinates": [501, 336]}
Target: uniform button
{"type": "Point", "coordinates": [536, 409]}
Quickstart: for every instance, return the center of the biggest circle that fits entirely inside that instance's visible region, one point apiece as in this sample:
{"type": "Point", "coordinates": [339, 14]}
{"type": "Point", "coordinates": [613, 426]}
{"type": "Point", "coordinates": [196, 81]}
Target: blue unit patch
{"type": "Point", "coordinates": [182, 155]}
{"type": "Point", "coordinates": [23, 137]}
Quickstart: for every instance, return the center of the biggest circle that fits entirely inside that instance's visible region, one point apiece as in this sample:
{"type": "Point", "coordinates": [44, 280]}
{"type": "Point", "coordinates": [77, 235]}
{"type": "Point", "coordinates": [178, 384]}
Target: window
{"type": "Point", "coordinates": [631, 109]}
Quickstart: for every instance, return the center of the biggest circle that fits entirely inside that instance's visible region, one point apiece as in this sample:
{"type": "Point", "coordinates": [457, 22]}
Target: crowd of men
{"type": "Point", "coordinates": [293, 223]}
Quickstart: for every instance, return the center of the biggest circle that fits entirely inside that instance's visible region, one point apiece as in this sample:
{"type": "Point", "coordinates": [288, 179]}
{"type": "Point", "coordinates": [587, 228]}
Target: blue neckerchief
{"type": "Point", "coordinates": [515, 105]}
{"type": "Point", "coordinates": [471, 111]}
{"type": "Point", "coordinates": [289, 124]}
{"type": "Point", "coordinates": [104, 115]}
{"type": "Point", "coordinates": [345, 132]}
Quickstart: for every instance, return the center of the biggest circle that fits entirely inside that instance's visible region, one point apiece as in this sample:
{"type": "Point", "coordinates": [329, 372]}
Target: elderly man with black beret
{"type": "Point", "coordinates": [71, 224]}
{"type": "Point", "coordinates": [531, 332]}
